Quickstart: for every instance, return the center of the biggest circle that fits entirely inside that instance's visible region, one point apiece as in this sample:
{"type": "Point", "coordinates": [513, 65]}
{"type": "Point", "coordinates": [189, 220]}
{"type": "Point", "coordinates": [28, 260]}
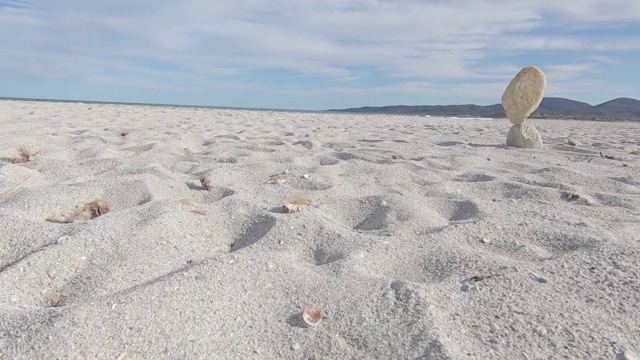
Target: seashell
{"type": "Point", "coordinates": [296, 204]}
{"type": "Point", "coordinates": [312, 316]}
{"type": "Point", "coordinates": [92, 209]}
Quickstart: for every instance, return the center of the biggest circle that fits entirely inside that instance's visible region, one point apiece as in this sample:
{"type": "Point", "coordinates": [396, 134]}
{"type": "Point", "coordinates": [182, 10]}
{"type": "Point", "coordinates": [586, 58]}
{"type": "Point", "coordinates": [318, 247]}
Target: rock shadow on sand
{"type": "Point", "coordinates": [214, 194]}
{"type": "Point", "coordinates": [435, 351]}
{"type": "Point", "coordinates": [323, 256]}
{"type": "Point", "coordinates": [463, 211]}
{"type": "Point", "coordinates": [295, 320]}
{"type": "Point", "coordinates": [258, 229]}
{"type": "Point", "coordinates": [376, 219]}
{"type": "Point", "coordinates": [475, 177]}
{"type": "Point", "coordinates": [305, 143]}
{"type": "Point", "coordinates": [193, 186]}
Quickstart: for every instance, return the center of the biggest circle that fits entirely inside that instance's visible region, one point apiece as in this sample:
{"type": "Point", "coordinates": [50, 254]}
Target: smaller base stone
{"type": "Point", "coordinates": [524, 136]}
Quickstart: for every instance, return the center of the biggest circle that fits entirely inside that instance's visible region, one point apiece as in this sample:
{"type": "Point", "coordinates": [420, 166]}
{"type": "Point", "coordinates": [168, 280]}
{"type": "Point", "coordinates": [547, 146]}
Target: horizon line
{"type": "Point", "coordinates": [262, 109]}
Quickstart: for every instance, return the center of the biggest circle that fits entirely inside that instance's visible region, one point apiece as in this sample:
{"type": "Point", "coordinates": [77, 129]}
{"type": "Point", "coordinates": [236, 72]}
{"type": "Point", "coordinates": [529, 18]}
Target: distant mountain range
{"type": "Point", "coordinates": [550, 108]}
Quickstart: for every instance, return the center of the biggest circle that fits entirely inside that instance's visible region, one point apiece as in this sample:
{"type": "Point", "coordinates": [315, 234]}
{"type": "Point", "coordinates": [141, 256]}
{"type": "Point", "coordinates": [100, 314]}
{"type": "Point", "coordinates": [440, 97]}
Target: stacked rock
{"type": "Point", "coordinates": [521, 98]}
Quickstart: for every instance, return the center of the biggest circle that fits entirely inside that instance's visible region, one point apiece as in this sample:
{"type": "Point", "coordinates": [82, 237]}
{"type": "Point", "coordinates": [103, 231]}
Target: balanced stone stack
{"type": "Point", "coordinates": [521, 98]}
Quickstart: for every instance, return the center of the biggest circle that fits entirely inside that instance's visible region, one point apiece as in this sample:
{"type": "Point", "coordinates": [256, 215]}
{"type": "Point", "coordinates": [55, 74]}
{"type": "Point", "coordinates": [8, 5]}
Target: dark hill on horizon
{"type": "Point", "coordinates": [550, 108]}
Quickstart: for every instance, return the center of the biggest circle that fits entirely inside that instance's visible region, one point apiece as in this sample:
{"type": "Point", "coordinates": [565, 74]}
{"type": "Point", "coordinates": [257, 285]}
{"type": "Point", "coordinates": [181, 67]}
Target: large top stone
{"type": "Point", "coordinates": [524, 94]}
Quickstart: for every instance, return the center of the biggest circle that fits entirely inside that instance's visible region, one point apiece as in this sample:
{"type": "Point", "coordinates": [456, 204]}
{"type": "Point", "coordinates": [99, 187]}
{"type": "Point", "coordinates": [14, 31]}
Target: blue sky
{"type": "Point", "coordinates": [310, 54]}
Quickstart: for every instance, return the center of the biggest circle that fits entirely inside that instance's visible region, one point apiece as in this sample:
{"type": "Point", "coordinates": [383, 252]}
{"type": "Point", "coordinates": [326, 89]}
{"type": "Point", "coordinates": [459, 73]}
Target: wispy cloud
{"type": "Point", "coordinates": [14, 4]}
{"type": "Point", "coordinates": [609, 60]}
{"type": "Point", "coordinates": [570, 71]}
{"type": "Point", "coordinates": [459, 49]}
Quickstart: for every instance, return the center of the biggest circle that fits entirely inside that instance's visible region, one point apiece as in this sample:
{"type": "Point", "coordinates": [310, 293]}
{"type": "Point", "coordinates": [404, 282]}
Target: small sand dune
{"type": "Point", "coordinates": [418, 238]}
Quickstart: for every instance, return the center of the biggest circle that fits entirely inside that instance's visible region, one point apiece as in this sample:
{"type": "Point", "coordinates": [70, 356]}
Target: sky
{"type": "Point", "coordinates": [316, 54]}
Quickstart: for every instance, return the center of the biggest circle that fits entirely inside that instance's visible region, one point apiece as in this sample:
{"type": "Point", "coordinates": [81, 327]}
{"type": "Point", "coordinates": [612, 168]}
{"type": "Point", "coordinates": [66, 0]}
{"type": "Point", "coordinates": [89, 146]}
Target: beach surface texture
{"type": "Point", "coordinates": [214, 230]}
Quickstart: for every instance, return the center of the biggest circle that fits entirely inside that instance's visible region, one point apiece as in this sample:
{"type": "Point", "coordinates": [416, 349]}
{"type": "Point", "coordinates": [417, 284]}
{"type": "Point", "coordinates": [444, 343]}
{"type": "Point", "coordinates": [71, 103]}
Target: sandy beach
{"type": "Point", "coordinates": [417, 237]}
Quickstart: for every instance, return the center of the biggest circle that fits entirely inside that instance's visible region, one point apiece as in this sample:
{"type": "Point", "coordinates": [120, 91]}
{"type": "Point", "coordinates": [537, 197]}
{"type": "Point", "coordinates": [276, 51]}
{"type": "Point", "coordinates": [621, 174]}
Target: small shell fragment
{"type": "Point", "coordinates": [537, 277]}
{"type": "Point", "coordinates": [51, 274]}
{"type": "Point", "coordinates": [55, 299]}
{"type": "Point", "coordinates": [206, 180]}
{"type": "Point", "coordinates": [59, 219]}
{"type": "Point", "coordinates": [312, 316]}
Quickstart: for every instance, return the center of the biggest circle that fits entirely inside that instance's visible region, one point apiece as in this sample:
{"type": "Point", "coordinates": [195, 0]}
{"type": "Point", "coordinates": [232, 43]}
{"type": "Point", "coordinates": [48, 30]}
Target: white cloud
{"type": "Point", "coordinates": [203, 42]}
{"type": "Point", "coordinates": [568, 71]}
{"type": "Point", "coordinates": [610, 60]}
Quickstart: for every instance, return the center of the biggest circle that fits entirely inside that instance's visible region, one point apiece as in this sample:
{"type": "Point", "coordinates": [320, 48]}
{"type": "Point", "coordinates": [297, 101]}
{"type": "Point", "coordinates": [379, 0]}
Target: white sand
{"type": "Point", "coordinates": [406, 208]}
